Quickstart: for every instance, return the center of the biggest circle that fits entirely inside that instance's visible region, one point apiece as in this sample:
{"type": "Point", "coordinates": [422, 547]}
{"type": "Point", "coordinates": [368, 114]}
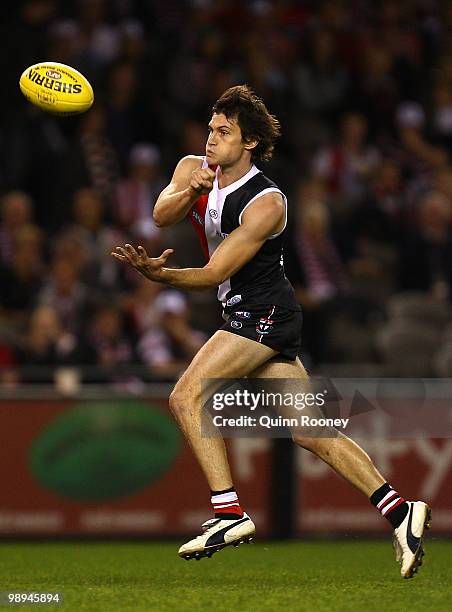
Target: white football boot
{"type": "Point", "coordinates": [408, 538]}
{"type": "Point", "coordinates": [218, 533]}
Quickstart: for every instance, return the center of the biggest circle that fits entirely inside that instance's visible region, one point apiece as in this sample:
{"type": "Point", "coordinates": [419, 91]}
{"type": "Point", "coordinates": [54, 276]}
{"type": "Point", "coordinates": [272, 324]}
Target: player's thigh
{"type": "Point", "coordinates": [285, 377]}
{"type": "Point", "coordinates": [285, 370]}
{"type": "Point", "coordinates": [280, 369]}
{"type": "Point", "coordinates": [224, 355]}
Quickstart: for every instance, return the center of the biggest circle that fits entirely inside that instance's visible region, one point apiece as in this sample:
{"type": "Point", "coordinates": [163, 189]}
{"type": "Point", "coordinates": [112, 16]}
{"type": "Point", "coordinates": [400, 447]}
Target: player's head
{"type": "Point", "coordinates": [241, 126]}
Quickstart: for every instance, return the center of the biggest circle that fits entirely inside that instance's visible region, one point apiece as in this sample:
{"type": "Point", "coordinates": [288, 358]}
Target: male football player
{"type": "Point", "coordinates": [240, 216]}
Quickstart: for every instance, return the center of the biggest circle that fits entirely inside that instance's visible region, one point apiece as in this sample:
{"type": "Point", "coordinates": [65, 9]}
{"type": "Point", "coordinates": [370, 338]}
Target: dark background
{"type": "Point", "coordinates": [363, 91]}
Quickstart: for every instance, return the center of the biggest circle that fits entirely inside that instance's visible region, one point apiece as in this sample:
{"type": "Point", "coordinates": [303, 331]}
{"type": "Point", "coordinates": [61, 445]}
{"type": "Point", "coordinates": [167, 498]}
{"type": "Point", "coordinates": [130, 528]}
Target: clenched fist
{"type": "Point", "coordinates": [202, 180]}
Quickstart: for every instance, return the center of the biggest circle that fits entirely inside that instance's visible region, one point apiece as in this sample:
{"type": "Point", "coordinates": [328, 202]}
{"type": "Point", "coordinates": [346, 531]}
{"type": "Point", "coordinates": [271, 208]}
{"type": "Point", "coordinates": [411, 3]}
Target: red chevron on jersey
{"type": "Point", "coordinates": [198, 215]}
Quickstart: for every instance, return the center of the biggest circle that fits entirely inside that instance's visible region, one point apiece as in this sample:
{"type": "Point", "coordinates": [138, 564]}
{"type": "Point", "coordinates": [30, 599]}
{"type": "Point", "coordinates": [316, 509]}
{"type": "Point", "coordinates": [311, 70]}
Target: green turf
{"type": "Point", "coordinates": [350, 576]}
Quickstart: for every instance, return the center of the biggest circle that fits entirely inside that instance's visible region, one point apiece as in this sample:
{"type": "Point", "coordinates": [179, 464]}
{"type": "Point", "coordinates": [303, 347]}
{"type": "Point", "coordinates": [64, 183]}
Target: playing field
{"type": "Point", "coordinates": [359, 576]}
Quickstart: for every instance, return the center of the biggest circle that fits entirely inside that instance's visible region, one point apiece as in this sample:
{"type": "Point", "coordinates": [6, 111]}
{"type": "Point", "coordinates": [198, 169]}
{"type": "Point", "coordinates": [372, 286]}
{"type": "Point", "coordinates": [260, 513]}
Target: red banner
{"type": "Point", "coordinates": [120, 467]}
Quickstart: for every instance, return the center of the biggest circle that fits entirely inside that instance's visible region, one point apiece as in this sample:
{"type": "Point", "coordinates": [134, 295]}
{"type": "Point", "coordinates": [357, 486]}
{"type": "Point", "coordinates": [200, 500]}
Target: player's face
{"type": "Point", "coordinates": [224, 145]}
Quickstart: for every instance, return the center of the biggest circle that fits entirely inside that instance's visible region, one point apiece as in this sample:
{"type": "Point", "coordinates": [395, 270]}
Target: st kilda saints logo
{"type": "Point", "coordinates": [264, 326]}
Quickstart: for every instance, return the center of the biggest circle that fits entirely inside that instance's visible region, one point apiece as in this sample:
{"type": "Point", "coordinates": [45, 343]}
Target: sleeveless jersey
{"type": "Point", "coordinates": [215, 215]}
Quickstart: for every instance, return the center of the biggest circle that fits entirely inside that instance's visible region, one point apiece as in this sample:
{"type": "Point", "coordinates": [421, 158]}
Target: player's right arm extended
{"type": "Point", "coordinates": [189, 181]}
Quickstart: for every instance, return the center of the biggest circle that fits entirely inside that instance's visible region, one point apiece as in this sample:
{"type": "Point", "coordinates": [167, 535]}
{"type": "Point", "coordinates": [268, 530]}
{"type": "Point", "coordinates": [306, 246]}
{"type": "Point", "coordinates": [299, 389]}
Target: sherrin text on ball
{"type": "Point", "coordinates": [57, 88]}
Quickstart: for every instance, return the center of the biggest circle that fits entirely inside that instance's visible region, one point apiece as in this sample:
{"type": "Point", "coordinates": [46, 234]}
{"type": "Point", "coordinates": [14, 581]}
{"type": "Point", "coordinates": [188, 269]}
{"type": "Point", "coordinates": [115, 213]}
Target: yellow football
{"type": "Point", "coordinates": [57, 88]}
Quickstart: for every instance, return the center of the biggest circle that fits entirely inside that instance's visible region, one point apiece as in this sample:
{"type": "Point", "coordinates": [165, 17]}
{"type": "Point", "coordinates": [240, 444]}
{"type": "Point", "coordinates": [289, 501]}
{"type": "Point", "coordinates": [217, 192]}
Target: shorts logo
{"type": "Point", "coordinates": [264, 326]}
{"type": "Point", "coordinates": [235, 299]}
{"type": "Point", "coordinates": [236, 324]}
{"type": "Point", "coordinates": [242, 314]}
{"type": "Point", "coordinates": [213, 213]}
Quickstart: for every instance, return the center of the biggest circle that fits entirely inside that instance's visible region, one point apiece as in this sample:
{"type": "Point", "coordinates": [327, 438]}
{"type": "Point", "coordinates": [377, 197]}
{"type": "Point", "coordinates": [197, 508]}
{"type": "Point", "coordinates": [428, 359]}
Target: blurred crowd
{"type": "Point", "coordinates": [363, 91]}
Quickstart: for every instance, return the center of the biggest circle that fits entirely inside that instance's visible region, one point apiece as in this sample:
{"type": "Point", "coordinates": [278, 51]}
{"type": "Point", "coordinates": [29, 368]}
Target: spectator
{"type": "Point", "coordinates": [418, 156]}
{"type": "Point", "coordinates": [95, 238]}
{"type": "Point", "coordinates": [46, 344]}
{"type": "Point", "coordinates": [21, 281]}
{"type": "Point", "coordinates": [124, 115]}
{"type": "Point", "coordinates": [426, 251]}
{"type": "Point", "coordinates": [16, 212]}
{"type": "Point", "coordinates": [442, 115]}
{"type": "Point", "coordinates": [108, 347]}
{"type": "Point", "coordinates": [91, 162]}
{"type": "Point", "coordinates": [321, 82]}
{"type": "Point", "coordinates": [137, 194]}
{"type": "Point", "coordinates": [160, 318]}
{"type": "Point", "coordinates": [347, 166]}
{"type": "Point", "coordinates": [382, 214]}
{"type": "Point", "coordinates": [67, 295]}
{"type": "Point", "coordinates": [9, 376]}
{"type": "Point", "coordinates": [318, 274]}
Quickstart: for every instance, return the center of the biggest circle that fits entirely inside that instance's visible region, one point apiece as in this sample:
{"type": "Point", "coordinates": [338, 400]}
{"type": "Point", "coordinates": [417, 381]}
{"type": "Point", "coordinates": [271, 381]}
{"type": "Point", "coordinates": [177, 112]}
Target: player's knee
{"type": "Point", "coordinates": [177, 402]}
{"type": "Point", "coordinates": [181, 401]}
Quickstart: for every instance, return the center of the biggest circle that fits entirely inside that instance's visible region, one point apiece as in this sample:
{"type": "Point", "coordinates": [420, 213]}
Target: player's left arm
{"type": "Point", "coordinates": [263, 218]}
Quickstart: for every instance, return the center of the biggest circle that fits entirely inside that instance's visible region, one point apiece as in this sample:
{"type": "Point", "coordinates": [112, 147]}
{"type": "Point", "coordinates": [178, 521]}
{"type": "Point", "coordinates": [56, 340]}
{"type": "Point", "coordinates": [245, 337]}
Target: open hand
{"type": "Point", "coordinates": [148, 266]}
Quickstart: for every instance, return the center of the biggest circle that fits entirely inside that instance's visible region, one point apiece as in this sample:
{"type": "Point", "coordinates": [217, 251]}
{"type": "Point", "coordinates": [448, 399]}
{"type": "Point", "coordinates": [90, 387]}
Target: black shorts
{"type": "Point", "coordinates": [274, 326]}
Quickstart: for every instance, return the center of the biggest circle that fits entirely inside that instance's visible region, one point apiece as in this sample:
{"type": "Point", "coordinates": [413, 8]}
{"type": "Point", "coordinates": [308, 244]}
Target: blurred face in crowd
{"type": "Point", "coordinates": [315, 220]}
{"type": "Point", "coordinates": [71, 248]}
{"type": "Point", "coordinates": [27, 252]}
{"type": "Point", "coordinates": [224, 144]}
{"type": "Point", "coordinates": [310, 191]}
{"type": "Point", "coordinates": [324, 48]}
{"type": "Point", "coordinates": [88, 209]}
{"type": "Point", "coordinates": [443, 182]}
{"type": "Point", "coordinates": [92, 12]}
{"type": "Point", "coordinates": [45, 323]}
{"type": "Point", "coordinates": [133, 42]}
{"type": "Point", "coordinates": [388, 177]}
{"type": "Point", "coordinates": [16, 209]}
{"type": "Point", "coordinates": [144, 170]}
{"type": "Point", "coordinates": [65, 275]}
{"type": "Point", "coordinates": [108, 324]}
{"type": "Point", "coordinates": [354, 129]}
{"type": "Point", "coordinates": [123, 81]}
{"type": "Point", "coordinates": [435, 214]}
{"type": "Point", "coordinates": [378, 62]}
{"type": "Point", "coordinates": [93, 122]}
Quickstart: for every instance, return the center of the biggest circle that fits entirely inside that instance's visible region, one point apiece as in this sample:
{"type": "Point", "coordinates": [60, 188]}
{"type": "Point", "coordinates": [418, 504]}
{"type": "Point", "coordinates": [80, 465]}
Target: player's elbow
{"type": "Point", "coordinates": [160, 219]}
{"type": "Point", "coordinates": [213, 276]}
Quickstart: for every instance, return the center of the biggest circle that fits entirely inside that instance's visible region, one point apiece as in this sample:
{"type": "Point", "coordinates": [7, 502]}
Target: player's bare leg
{"type": "Point", "coordinates": [350, 461]}
{"type": "Point", "coordinates": [340, 452]}
{"type": "Point", "coordinates": [225, 355]}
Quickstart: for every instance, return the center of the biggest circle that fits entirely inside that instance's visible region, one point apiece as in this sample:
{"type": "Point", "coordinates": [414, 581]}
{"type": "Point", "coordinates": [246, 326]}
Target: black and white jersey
{"type": "Point", "coordinates": [217, 214]}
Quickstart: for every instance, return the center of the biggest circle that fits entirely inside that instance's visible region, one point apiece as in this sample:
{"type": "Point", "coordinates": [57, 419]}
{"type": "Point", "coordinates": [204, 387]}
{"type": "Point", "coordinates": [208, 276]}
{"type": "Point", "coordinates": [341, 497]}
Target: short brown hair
{"type": "Point", "coordinates": [254, 120]}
